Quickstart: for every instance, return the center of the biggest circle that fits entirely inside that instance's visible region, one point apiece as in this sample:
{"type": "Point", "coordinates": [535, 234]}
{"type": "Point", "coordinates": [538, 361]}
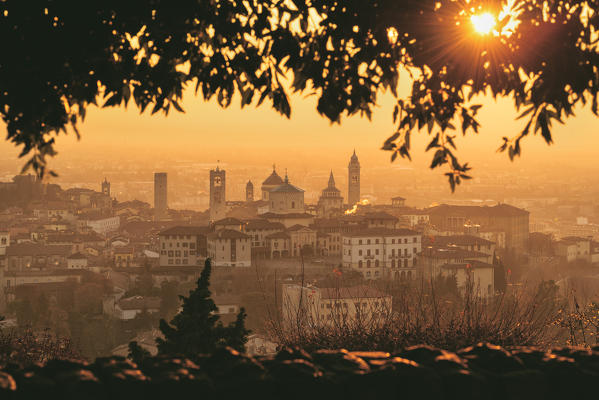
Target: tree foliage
{"type": "Point", "coordinates": [59, 58]}
{"type": "Point", "coordinates": [197, 329]}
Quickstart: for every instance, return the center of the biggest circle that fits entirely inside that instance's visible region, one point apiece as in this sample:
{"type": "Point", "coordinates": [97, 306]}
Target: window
{"type": "Point", "coordinates": [376, 241]}
{"type": "Point", "coordinates": [368, 252]}
{"type": "Point", "coordinates": [415, 239]}
{"type": "Point", "coordinates": [405, 263]}
{"type": "Point", "coordinates": [177, 261]}
{"type": "Point", "coordinates": [170, 261]}
{"type": "Point", "coordinates": [170, 253]}
{"type": "Point", "coordinates": [360, 241]}
{"type": "Point", "coordinates": [185, 244]}
{"type": "Point", "coordinates": [177, 253]}
{"type": "Point", "coordinates": [405, 240]}
{"type": "Point", "coordinates": [415, 250]}
{"type": "Point", "coordinates": [360, 264]}
{"type": "Point", "coordinates": [163, 244]}
{"type": "Point", "coordinates": [293, 204]}
{"type": "Point", "coordinates": [376, 263]}
{"type": "Point", "coordinates": [359, 252]}
{"type": "Point", "coordinates": [376, 252]}
{"type": "Point", "coordinates": [393, 263]}
{"type": "Point", "coordinates": [185, 253]}
{"type": "Point", "coordinates": [368, 264]}
{"type": "Point", "coordinates": [368, 241]}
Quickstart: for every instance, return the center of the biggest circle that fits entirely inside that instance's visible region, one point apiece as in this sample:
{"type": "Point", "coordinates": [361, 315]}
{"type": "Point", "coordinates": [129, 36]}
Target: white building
{"type": "Point", "coordinates": [382, 252]}
{"type": "Point", "coordinates": [572, 248]}
{"type": "Point", "coordinates": [103, 226]}
{"type": "Point", "coordinates": [229, 248]}
{"type": "Point", "coordinates": [314, 307]}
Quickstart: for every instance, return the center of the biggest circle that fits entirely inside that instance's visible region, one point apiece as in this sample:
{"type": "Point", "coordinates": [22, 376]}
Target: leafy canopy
{"type": "Point", "coordinates": [60, 57]}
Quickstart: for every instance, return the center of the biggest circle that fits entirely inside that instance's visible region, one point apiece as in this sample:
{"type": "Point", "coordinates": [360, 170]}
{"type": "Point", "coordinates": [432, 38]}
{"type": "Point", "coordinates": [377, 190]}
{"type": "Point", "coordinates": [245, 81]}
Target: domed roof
{"type": "Point", "coordinates": [286, 187]}
{"type": "Point", "coordinates": [274, 179]}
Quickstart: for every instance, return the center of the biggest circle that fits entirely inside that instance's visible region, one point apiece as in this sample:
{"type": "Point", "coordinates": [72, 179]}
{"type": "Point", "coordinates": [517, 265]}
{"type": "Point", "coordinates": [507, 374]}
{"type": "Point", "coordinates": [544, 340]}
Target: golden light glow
{"type": "Point", "coordinates": [354, 209]}
{"type": "Point", "coordinates": [483, 23]}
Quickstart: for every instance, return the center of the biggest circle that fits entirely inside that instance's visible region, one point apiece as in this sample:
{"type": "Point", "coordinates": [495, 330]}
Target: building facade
{"type": "Point", "coordinates": [286, 198]}
{"type": "Point", "coordinates": [314, 307]}
{"type": "Point", "coordinates": [229, 248]}
{"type": "Point", "coordinates": [380, 252]}
{"type": "Point", "coordinates": [183, 246]}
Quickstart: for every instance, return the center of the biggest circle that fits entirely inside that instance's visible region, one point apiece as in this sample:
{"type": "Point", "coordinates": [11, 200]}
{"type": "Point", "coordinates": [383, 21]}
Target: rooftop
{"type": "Point", "coordinates": [186, 230]}
{"type": "Point", "coordinates": [382, 232]}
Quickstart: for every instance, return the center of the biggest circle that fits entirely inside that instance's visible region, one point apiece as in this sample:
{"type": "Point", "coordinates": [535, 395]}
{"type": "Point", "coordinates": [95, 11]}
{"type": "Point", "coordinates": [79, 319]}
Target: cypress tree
{"type": "Point", "coordinates": [197, 329]}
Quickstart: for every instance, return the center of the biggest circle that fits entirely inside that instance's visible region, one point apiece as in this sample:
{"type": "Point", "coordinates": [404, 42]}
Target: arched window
{"type": "Point", "coordinates": [360, 264]}
{"type": "Point", "coordinates": [368, 263]}
{"type": "Point", "coordinates": [392, 263]}
{"type": "Point", "coordinates": [376, 263]}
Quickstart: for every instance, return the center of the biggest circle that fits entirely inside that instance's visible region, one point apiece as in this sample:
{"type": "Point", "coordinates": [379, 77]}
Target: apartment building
{"type": "Point", "coordinates": [229, 248]}
{"type": "Point", "coordinates": [183, 246]}
{"type": "Point", "coordinates": [381, 252]}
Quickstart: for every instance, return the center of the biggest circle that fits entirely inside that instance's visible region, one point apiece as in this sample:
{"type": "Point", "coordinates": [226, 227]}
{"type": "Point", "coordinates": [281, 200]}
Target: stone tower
{"type": "Point", "coordinates": [217, 194]}
{"type": "Point", "coordinates": [106, 187]}
{"type": "Point", "coordinates": [160, 196]}
{"type": "Point", "coordinates": [353, 180]}
{"type": "Point", "coordinates": [249, 192]}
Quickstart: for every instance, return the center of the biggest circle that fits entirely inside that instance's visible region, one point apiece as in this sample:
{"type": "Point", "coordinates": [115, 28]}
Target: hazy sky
{"type": "Point", "coordinates": [207, 132]}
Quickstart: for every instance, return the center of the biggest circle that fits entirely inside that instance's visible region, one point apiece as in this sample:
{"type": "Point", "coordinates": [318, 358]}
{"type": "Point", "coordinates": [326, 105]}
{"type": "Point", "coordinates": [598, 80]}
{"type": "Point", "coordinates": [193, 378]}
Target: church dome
{"type": "Point", "coordinates": [273, 180]}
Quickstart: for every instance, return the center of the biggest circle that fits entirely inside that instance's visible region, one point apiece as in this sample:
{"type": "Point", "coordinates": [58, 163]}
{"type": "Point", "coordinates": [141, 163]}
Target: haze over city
{"type": "Point", "coordinates": [322, 199]}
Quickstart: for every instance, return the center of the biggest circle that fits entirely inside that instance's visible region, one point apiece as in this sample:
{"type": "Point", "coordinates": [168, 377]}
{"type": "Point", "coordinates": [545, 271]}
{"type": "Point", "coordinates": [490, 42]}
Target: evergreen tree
{"type": "Point", "coordinates": [137, 353]}
{"type": "Point", "coordinates": [197, 328]}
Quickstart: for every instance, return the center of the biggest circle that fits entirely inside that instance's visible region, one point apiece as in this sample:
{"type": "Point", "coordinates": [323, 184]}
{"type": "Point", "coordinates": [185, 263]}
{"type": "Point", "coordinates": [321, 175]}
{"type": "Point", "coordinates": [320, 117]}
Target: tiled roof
{"type": "Point", "coordinates": [286, 188]}
{"type": "Point", "coordinates": [499, 210]}
{"type": "Point", "coordinates": [273, 179]}
{"type": "Point", "coordinates": [460, 240]}
{"type": "Point", "coordinates": [278, 235]}
{"type": "Point", "coordinates": [380, 215]}
{"type": "Point", "coordinates": [450, 252]}
{"type": "Point", "coordinates": [139, 303]}
{"type": "Point", "coordinates": [286, 216]}
{"type": "Point", "coordinates": [228, 221]}
{"type": "Point", "coordinates": [298, 227]}
{"type": "Point", "coordinates": [256, 224]}
{"type": "Point", "coordinates": [186, 230]}
{"type": "Point", "coordinates": [35, 249]}
{"type": "Point", "coordinates": [228, 234]}
{"type": "Point", "coordinates": [382, 232]}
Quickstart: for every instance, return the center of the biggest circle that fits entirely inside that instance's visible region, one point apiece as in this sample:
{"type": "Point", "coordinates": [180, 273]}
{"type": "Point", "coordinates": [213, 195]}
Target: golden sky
{"type": "Point", "coordinates": [260, 135]}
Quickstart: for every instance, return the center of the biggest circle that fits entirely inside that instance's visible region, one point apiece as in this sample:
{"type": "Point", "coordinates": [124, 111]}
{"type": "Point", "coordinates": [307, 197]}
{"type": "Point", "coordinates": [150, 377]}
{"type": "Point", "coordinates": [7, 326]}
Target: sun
{"type": "Point", "coordinates": [483, 23]}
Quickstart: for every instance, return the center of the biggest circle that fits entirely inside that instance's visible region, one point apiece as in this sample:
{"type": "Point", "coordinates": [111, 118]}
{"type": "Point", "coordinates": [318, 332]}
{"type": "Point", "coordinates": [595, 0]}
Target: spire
{"type": "Point", "coordinates": [286, 177]}
{"type": "Point", "coordinates": [354, 157]}
{"type": "Point", "coordinates": [274, 168]}
{"type": "Point", "coordinates": [331, 180]}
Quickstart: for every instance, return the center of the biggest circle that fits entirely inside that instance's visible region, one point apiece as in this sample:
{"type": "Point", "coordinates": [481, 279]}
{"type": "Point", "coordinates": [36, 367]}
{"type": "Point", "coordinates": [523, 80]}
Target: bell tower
{"type": "Point", "coordinates": [217, 193]}
{"type": "Point", "coordinates": [353, 183]}
{"type": "Point", "coordinates": [106, 187]}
